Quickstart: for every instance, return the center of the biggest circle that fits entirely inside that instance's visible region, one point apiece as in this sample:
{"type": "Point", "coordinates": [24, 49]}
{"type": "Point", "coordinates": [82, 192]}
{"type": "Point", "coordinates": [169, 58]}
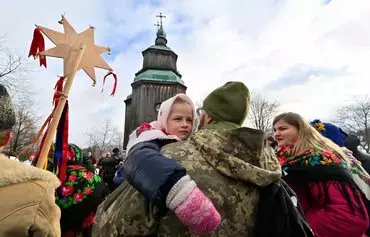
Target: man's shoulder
{"type": "Point", "coordinates": [179, 149]}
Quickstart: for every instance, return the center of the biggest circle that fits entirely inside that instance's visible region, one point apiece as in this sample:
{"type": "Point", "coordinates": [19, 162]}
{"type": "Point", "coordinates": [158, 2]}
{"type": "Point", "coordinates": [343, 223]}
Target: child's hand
{"type": "Point", "coordinates": [194, 209]}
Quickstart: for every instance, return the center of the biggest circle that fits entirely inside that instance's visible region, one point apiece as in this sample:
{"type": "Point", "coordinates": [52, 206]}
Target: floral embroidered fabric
{"type": "Point", "coordinates": [80, 183]}
{"type": "Point", "coordinates": [316, 156]}
{"type": "Point", "coordinates": [356, 168]}
{"type": "Point", "coordinates": [312, 157]}
{"type": "Point", "coordinates": [143, 127]}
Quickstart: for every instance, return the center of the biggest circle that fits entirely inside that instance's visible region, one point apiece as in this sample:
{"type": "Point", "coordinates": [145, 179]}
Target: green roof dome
{"type": "Point", "coordinates": [159, 75]}
{"type": "Point", "coordinates": [161, 32]}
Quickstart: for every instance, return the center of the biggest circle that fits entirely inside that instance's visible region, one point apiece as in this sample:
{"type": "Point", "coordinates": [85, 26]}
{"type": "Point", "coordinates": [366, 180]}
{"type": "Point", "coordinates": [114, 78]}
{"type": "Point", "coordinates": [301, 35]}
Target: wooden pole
{"type": "Point", "coordinates": [70, 68]}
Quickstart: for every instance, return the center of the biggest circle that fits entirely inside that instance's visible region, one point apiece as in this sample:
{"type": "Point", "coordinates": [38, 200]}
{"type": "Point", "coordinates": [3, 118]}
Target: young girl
{"type": "Point", "coordinates": [176, 119]}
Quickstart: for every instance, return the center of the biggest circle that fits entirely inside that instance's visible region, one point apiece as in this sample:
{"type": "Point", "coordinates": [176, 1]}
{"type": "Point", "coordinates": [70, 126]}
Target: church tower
{"type": "Point", "coordinates": [157, 81]}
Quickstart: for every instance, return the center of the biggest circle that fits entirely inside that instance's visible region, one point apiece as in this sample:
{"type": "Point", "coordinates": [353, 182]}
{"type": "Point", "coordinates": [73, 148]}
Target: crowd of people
{"type": "Point", "coordinates": [195, 172]}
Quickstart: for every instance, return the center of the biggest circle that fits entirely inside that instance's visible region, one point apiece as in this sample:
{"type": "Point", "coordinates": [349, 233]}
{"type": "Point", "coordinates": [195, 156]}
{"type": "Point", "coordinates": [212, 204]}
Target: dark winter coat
{"type": "Point", "coordinates": [87, 162]}
{"type": "Point", "coordinates": [152, 174]}
{"type": "Point", "coordinates": [352, 142]}
{"type": "Point", "coordinates": [109, 165]}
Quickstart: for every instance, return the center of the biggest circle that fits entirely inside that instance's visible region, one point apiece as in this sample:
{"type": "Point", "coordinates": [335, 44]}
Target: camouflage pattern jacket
{"type": "Point", "coordinates": [229, 165]}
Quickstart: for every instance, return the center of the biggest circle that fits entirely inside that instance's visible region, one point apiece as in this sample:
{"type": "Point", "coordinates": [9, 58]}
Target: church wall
{"type": "Point", "coordinates": [128, 121]}
{"type": "Point", "coordinates": [160, 59]}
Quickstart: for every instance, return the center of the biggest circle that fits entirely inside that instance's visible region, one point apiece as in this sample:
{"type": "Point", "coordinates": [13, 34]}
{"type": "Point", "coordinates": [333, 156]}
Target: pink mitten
{"type": "Point", "coordinates": [193, 208]}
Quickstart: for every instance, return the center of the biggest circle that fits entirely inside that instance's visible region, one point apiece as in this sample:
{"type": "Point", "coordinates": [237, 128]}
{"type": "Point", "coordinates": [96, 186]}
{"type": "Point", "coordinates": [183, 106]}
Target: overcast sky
{"type": "Point", "coordinates": [312, 56]}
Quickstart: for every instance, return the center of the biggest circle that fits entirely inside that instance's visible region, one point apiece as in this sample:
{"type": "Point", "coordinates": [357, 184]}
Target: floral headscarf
{"type": "Point", "coordinates": [312, 158]}
{"type": "Point", "coordinates": [79, 183]}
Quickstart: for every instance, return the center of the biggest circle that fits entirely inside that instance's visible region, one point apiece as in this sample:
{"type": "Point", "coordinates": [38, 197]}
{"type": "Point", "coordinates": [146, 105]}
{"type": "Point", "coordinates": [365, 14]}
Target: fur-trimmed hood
{"type": "Point", "coordinates": [13, 172]}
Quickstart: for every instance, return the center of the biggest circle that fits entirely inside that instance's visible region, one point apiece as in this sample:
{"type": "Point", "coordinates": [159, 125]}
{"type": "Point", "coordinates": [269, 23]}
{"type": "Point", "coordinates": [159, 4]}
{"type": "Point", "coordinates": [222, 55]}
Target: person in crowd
{"type": "Point", "coordinates": [109, 166]}
{"type": "Point", "coordinates": [28, 205]}
{"type": "Point", "coordinates": [29, 159]}
{"type": "Point", "coordinates": [352, 142]}
{"type": "Point", "coordinates": [87, 162]}
{"type": "Point", "coordinates": [336, 134]}
{"type": "Point", "coordinates": [119, 177]}
{"type": "Point", "coordinates": [117, 153]}
{"type": "Point", "coordinates": [80, 194]}
{"type": "Point", "coordinates": [93, 159]}
{"type": "Point", "coordinates": [359, 174]}
{"type": "Point", "coordinates": [319, 172]}
{"type": "Point", "coordinates": [271, 141]}
{"type": "Point", "coordinates": [228, 163]}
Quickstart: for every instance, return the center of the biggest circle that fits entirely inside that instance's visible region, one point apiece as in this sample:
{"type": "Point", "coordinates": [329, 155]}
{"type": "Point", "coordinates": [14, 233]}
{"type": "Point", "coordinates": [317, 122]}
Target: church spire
{"type": "Point", "coordinates": [156, 81]}
{"type": "Point", "coordinates": [161, 34]}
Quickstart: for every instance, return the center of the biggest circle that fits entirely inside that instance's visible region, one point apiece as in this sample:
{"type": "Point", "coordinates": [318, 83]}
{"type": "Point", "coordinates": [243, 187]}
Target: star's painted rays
{"type": "Point", "coordinates": [70, 40]}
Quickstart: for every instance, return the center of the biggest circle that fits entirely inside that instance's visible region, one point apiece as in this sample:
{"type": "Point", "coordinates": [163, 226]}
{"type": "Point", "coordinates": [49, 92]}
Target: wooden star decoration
{"type": "Point", "coordinates": [70, 39]}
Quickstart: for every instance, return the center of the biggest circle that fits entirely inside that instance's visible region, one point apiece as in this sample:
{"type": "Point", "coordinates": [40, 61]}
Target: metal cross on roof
{"type": "Point", "coordinates": [160, 18]}
{"type": "Point", "coordinates": [157, 25]}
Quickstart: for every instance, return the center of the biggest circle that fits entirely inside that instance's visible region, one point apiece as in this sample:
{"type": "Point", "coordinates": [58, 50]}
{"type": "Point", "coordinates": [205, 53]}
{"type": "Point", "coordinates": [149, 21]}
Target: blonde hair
{"type": "Point", "coordinates": [308, 137]}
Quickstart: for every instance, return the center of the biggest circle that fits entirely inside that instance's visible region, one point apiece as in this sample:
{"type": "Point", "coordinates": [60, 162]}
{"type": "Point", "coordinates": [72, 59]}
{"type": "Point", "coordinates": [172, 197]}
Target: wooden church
{"type": "Point", "coordinates": [157, 81]}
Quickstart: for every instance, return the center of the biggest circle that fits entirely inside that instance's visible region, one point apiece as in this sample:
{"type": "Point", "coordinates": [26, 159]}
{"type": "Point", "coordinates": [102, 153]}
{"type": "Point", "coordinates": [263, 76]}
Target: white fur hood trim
{"type": "Point", "coordinates": [13, 172]}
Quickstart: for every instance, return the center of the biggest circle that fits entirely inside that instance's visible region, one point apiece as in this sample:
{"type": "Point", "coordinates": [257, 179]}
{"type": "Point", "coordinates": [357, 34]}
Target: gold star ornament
{"type": "Point", "coordinates": [70, 39]}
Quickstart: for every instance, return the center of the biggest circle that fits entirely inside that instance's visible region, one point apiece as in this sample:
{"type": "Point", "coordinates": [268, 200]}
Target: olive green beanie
{"type": "Point", "coordinates": [228, 103]}
{"type": "Point", "coordinates": [7, 114]}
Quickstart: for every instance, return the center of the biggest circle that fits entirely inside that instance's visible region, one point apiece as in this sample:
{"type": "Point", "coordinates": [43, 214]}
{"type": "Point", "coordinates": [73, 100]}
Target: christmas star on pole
{"type": "Point", "coordinates": [78, 51]}
{"type": "Point", "coordinates": [71, 39]}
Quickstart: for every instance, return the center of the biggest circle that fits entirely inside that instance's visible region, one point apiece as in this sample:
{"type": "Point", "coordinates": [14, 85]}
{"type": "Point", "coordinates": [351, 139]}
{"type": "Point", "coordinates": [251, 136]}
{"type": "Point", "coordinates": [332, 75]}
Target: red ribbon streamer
{"type": "Point", "coordinates": [58, 90]}
{"type": "Point", "coordinates": [115, 82]}
{"type": "Point", "coordinates": [37, 46]}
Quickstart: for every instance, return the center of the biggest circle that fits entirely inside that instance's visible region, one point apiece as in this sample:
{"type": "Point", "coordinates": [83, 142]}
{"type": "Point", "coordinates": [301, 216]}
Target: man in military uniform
{"type": "Point", "coordinates": [228, 162]}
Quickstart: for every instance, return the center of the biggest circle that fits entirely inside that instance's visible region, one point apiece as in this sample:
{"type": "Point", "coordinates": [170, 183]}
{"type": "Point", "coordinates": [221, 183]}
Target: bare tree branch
{"type": "Point", "coordinates": [262, 112]}
{"type": "Point", "coordinates": [13, 69]}
{"type": "Point", "coordinates": [355, 118]}
{"type": "Point", "coordinates": [103, 138]}
{"type": "Point", "coordinates": [25, 129]}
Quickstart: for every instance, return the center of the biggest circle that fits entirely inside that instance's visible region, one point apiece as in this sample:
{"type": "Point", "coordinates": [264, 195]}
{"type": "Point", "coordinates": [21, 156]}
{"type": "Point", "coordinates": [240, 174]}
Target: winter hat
{"type": "Point", "coordinates": [229, 103]}
{"type": "Point", "coordinates": [157, 129]}
{"type": "Point", "coordinates": [7, 114]}
{"type": "Point", "coordinates": [32, 156]}
{"type": "Point", "coordinates": [352, 142]}
{"type": "Point", "coordinates": [330, 131]}
{"type": "Point", "coordinates": [74, 154]}
{"type": "Point", "coordinates": [270, 138]}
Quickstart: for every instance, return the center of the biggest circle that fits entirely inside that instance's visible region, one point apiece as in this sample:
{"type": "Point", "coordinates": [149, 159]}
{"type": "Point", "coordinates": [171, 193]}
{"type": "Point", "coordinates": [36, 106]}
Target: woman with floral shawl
{"type": "Point", "coordinates": [319, 172]}
{"type": "Point", "coordinates": [78, 197]}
